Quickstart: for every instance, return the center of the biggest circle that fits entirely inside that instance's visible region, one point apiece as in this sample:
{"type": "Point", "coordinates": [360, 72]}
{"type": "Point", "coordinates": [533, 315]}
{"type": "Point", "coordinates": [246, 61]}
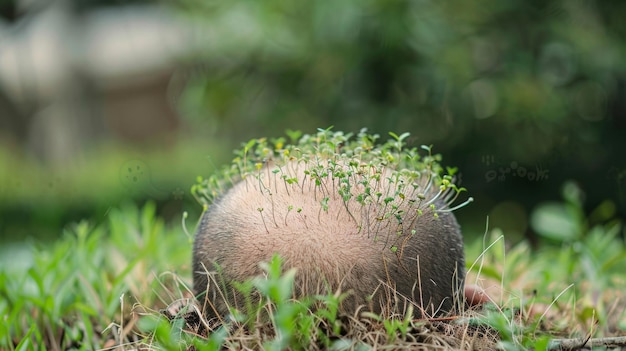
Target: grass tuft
{"type": "Point", "coordinates": [124, 284]}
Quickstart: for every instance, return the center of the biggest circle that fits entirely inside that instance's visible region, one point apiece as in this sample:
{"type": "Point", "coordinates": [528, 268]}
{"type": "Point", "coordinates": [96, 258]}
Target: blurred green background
{"type": "Point", "coordinates": [108, 102]}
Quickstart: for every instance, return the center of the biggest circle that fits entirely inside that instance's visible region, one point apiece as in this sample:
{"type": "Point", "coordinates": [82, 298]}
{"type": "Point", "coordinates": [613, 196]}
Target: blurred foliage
{"type": "Point", "coordinates": [520, 71]}
{"type": "Point", "coordinates": [505, 90]}
{"type": "Point", "coordinates": [589, 243]}
{"type": "Point", "coordinates": [37, 202]}
{"type": "Point", "coordinates": [532, 83]}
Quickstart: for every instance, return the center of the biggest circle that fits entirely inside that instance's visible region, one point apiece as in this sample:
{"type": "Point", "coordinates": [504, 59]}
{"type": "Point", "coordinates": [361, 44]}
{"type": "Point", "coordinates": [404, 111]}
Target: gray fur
{"type": "Point", "coordinates": [347, 247]}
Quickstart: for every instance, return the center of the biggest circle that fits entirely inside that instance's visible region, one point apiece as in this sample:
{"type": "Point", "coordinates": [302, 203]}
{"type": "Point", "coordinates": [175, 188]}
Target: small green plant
{"type": "Point", "coordinates": [290, 318]}
{"type": "Point", "coordinates": [171, 335]}
{"type": "Point", "coordinates": [402, 326]}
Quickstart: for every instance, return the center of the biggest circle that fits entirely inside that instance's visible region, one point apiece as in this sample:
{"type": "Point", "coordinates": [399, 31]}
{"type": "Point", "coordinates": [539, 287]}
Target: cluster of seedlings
{"type": "Point", "coordinates": [383, 188]}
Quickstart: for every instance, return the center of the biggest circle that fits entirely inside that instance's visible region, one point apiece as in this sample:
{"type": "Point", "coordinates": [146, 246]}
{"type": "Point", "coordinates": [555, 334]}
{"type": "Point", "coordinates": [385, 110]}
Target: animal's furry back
{"type": "Point", "coordinates": [372, 232]}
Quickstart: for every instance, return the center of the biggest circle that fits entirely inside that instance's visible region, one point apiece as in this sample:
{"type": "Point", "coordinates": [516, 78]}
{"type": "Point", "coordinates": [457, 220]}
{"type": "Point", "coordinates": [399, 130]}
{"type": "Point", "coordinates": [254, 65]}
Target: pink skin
{"type": "Point", "coordinates": [475, 295]}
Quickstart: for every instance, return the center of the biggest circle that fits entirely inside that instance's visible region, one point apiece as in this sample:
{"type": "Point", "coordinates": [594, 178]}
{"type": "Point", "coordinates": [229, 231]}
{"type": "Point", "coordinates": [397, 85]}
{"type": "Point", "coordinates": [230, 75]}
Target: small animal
{"type": "Point", "coordinates": [386, 238]}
